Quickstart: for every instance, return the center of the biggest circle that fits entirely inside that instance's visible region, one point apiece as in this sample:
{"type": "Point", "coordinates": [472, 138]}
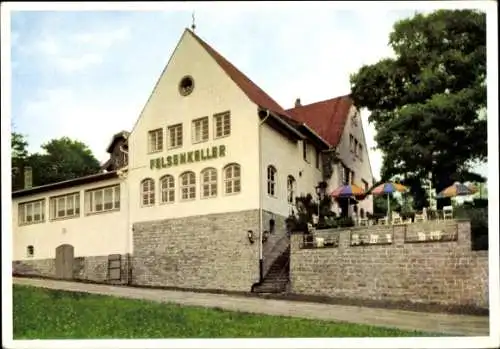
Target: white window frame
{"type": "Point", "coordinates": [200, 129]}
{"type": "Point", "coordinates": [222, 125]}
{"type": "Point", "coordinates": [92, 204]}
{"type": "Point", "coordinates": [175, 136]}
{"type": "Point", "coordinates": [187, 186]}
{"type": "Point", "coordinates": [155, 140]}
{"type": "Point", "coordinates": [272, 173]}
{"type": "Point", "coordinates": [291, 186]}
{"type": "Point", "coordinates": [208, 183]}
{"type": "Point", "coordinates": [147, 192]}
{"type": "Point", "coordinates": [59, 206]}
{"type": "Point", "coordinates": [232, 179]}
{"type": "Point", "coordinates": [167, 189]}
{"type": "Point", "coordinates": [27, 210]}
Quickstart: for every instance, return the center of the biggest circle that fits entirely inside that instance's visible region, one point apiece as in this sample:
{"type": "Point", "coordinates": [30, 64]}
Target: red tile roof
{"type": "Point", "coordinates": [254, 92]}
{"type": "Point", "coordinates": [327, 118]}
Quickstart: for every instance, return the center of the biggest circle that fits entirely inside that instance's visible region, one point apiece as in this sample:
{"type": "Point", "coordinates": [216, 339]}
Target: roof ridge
{"type": "Point", "coordinates": [318, 102]}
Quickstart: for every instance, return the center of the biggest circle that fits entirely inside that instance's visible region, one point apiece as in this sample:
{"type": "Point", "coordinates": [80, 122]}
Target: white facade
{"type": "Point", "coordinates": [151, 158]}
{"type": "Point", "coordinates": [91, 234]}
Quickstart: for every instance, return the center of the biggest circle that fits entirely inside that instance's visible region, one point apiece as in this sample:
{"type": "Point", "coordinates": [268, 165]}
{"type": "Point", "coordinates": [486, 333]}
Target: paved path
{"type": "Point", "coordinates": [405, 320]}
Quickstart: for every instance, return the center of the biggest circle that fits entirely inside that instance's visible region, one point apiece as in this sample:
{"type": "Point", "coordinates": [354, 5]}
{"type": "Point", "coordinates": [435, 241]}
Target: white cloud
{"type": "Point", "coordinates": [74, 64]}
{"type": "Point", "coordinates": [103, 39]}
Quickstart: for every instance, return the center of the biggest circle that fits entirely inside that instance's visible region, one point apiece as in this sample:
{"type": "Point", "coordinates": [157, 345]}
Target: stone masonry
{"type": "Point", "coordinates": [201, 252]}
{"type": "Point", "coordinates": [90, 268]}
{"type": "Point", "coordinates": [444, 272]}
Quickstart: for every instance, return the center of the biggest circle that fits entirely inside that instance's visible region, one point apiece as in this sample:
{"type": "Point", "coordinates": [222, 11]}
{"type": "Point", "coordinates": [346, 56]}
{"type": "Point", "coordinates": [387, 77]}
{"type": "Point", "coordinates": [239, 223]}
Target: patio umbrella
{"type": "Point", "coordinates": [387, 189]}
{"type": "Point", "coordinates": [457, 189]}
{"type": "Point", "coordinates": [347, 191]}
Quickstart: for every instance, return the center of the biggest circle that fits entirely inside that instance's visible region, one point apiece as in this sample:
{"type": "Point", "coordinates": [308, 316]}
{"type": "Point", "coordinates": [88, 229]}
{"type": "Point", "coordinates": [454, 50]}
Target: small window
{"type": "Point", "coordinates": [30, 251]}
{"type": "Point", "coordinates": [148, 192]}
{"type": "Point", "coordinates": [360, 152]}
{"type": "Point", "coordinates": [271, 181]}
{"type": "Point", "coordinates": [272, 225]}
{"type": "Point", "coordinates": [351, 143]}
{"type": "Point", "coordinates": [167, 184]}
{"type": "Point", "coordinates": [188, 186]}
{"type": "Point", "coordinates": [365, 184]}
{"type": "Point", "coordinates": [200, 130]}
{"type": "Point", "coordinates": [222, 124]}
{"type": "Point", "coordinates": [208, 183]}
{"type": "Point", "coordinates": [356, 147]}
{"type": "Point", "coordinates": [155, 140]}
{"type": "Point", "coordinates": [304, 150]}
{"type": "Point", "coordinates": [318, 155]}
{"type": "Point", "coordinates": [175, 136]}
{"type": "Point", "coordinates": [232, 179]}
{"type": "Point", "coordinates": [352, 177]}
{"type": "Point", "coordinates": [186, 86]}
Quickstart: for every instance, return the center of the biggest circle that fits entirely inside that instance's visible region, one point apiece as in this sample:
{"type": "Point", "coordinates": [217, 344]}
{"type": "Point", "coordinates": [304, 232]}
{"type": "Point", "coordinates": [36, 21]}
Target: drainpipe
{"type": "Point", "coordinates": [266, 114]}
{"type": "Point", "coordinates": [123, 176]}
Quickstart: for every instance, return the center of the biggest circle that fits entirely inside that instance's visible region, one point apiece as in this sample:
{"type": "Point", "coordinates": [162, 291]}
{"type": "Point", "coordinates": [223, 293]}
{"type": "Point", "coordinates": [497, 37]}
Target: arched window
{"type": "Point", "coordinates": [188, 186]}
{"type": "Point", "coordinates": [208, 183]}
{"type": "Point", "coordinates": [271, 180]}
{"type": "Point", "coordinates": [232, 179]}
{"type": "Point", "coordinates": [167, 185]}
{"type": "Point", "coordinates": [148, 192]}
{"type": "Point", "coordinates": [290, 185]}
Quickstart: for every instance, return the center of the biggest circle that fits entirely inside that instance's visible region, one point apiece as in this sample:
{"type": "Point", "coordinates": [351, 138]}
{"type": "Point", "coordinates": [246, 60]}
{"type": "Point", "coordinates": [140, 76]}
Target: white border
{"type": "Point", "coordinates": [443, 342]}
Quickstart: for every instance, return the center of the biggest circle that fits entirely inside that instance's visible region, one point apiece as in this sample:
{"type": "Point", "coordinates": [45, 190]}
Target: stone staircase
{"type": "Point", "coordinates": [278, 276]}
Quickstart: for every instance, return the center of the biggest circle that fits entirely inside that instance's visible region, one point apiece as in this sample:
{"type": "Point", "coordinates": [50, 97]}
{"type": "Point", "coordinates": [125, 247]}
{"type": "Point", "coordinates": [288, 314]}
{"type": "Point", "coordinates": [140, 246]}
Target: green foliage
{"type": "Point", "coordinates": [49, 314]}
{"type": "Point", "coordinates": [478, 217]}
{"type": "Point", "coordinates": [425, 104]}
{"type": "Point", "coordinates": [19, 152]}
{"type": "Point", "coordinates": [63, 159]}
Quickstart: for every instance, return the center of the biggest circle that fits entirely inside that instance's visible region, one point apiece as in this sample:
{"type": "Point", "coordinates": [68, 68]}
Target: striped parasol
{"type": "Point", "coordinates": [457, 189]}
{"type": "Point", "coordinates": [387, 189]}
{"type": "Point", "coordinates": [347, 191]}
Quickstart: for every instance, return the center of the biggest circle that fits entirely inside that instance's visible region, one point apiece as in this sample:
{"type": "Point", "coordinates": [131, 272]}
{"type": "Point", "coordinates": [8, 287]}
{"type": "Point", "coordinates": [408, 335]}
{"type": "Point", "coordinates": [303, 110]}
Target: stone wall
{"type": "Point", "coordinates": [202, 252]}
{"type": "Point", "coordinates": [91, 268]}
{"type": "Point", "coordinates": [419, 263]}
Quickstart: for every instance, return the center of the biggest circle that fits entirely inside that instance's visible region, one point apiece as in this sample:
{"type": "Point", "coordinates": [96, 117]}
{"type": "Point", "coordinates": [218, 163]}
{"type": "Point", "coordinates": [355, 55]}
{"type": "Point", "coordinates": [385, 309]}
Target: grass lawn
{"type": "Point", "coordinates": [50, 314]}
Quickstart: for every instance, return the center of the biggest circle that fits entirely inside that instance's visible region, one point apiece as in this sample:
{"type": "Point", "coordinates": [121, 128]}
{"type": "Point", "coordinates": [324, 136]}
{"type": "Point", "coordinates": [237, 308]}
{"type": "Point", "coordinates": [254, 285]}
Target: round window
{"type": "Point", "coordinates": [186, 85]}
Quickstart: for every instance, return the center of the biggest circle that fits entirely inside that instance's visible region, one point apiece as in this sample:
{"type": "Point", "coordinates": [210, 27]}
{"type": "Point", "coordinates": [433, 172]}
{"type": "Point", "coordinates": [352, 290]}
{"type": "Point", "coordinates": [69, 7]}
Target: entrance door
{"type": "Point", "coordinates": [64, 261]}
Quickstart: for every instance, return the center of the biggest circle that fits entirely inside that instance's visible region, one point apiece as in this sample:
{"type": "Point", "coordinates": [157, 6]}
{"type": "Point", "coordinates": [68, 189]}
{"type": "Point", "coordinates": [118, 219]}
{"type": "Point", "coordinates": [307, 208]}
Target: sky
{"type": "Point", "coordinates": [88, 74]}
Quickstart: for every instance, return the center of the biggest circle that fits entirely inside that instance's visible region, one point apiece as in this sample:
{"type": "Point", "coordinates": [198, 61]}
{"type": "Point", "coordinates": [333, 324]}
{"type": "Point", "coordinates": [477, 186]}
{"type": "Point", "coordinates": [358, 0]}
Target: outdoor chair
{"type": "Point", "coordinates": [421, 217]}
{"type": "Point", "coordinates": [421, 236]}
{"type": "Point", "coordinates": [388, 237]}
{"type": "Point", "coordinates": [320, 242]}
{"type": "Point", "coordinates": [354, 239]}
{"type": "Point", "coordinates": [383, 221]}
{"type": "Point", "coordinates": [373, 238]}
{"type": "Point", "coordinates": [396, 218]}
{"type": "Point", "coordinates": [436, 235]}
{"type": "Point", "coordinates": [363, 221]}
{"type": "Point", "coordinates": [448, 212]}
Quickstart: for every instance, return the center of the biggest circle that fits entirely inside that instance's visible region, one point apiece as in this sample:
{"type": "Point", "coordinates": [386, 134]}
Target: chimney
{"type": "Point", "coordinates": [28, 177]}
{"type": "Point", "coordinates": [297, 103]}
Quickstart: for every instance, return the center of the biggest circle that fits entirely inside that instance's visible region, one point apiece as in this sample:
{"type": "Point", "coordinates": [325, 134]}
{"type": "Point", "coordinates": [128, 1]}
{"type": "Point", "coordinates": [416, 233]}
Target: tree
{"type": "Point", "coordinates": [428, 103]}
{"type": "Point", "coordinates": [64, 159]}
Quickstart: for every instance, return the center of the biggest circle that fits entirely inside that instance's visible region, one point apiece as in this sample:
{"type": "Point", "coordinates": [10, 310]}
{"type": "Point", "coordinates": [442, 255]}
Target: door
{"type": "Point", "coordinates": [64, 262]}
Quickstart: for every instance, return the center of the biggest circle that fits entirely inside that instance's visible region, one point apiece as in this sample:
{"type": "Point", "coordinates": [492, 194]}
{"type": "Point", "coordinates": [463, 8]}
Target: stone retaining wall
{"type": "Point", "coordinates": [419, 263]}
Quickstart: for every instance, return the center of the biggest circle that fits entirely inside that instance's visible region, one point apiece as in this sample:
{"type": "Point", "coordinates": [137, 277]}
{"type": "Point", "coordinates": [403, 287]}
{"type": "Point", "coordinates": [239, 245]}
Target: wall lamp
{"type": "Point", "coordinates": [251, 236]}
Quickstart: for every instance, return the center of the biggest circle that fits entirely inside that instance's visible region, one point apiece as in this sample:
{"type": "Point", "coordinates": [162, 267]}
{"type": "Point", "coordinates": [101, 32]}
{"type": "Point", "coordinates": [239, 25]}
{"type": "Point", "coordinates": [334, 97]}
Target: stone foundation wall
{"type": "Point", "coordinates": [92, 268]}
{"type": "Point", "coordinates": [202, 252]}
{"type": "Point", "coordinates": [419, 263]}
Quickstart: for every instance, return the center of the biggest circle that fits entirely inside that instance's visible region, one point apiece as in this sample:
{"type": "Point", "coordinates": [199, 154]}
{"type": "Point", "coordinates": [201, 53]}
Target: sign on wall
{"type": "Point", "coordinates": [188, 157]}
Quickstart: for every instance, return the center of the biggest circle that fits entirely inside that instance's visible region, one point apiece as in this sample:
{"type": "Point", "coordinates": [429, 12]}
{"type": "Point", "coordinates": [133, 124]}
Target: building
{"type": "Point", "coordinates": [211, 162]}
